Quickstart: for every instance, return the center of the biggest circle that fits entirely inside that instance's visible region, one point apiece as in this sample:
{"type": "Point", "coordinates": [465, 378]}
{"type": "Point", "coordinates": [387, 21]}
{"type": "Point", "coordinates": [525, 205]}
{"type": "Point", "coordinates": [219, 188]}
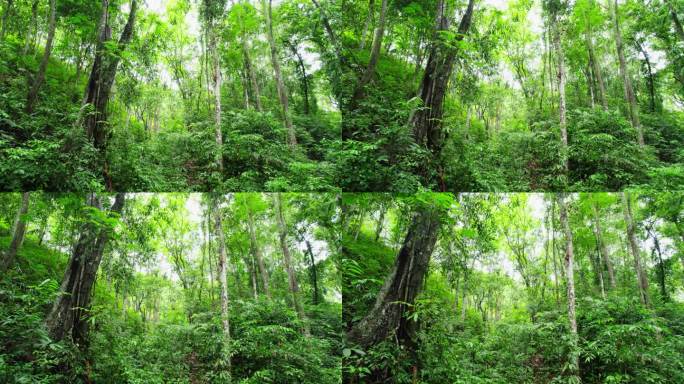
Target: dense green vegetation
{"type": "Point", "coordinates": [513, 288]}
{"type": "Point", "coordinates": [518, 95]}
{"type": "Point", "coordinates": [131, 95]}
{"type": "Point", "coordinates": [169, 288]}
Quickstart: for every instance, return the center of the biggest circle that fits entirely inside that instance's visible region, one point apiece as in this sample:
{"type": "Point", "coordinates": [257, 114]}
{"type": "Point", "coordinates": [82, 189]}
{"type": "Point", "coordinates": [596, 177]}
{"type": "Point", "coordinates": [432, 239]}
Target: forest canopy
{"type": "Point", "coordinates": [513, 288]}
{"type": "Point", "coordinates": [516, 95]}
{"type": "Point", "coordinates": [169, 288]}
{"type": "Point", "coordinates": [179, 95]}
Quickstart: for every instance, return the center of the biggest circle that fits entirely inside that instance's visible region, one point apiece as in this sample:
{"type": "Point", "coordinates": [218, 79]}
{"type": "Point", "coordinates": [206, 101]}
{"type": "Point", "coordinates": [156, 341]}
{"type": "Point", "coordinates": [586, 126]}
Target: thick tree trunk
{"type": "Point", "coordinates": [69, 314]}
{"type": "Point", "coordinates": [280, 85]}
{"type": "Point", "coordinates": [102, 76]}
{"type": "Point", "coordinates": [256, 252]}
{"type": "Point", "coordinates": [17, 234]}
{"type": "Point", "coordinates": [569, 273]}
{"type": "Point", "coordinates": [426, 122]}
{"type": "Point", "coordinates": [562, 121]}
{"type": "Point", "coordinates": [642, 278]}
{"type": "Point", "coordinates": [630, 96]}
{"type": "Point", "coordinates": [603, 247]}
{"type": "Point", "coordinates": [401, 286]}
{"type": "Point", "coordinates": [40, 76]}
{"type": "Point", "coordinates": [222, 271]}
{"type": "Point", "coordinates": [291, 276]}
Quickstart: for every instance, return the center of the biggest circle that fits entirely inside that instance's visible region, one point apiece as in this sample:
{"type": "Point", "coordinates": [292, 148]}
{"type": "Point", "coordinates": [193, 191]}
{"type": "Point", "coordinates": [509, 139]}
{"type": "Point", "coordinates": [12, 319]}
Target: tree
{"type": "Point", "coordinates": [642, 278]}
{"type": "Point", "coordinates": [18, 233]}
{"type": "Point", "coordinates": [68, 317]}
{"type": "Point", "coordinates": [40, 76]}
{"type": "Point", "coordinates": [223, 285]}
{"type": "Point", "coordinates": [570, 278]}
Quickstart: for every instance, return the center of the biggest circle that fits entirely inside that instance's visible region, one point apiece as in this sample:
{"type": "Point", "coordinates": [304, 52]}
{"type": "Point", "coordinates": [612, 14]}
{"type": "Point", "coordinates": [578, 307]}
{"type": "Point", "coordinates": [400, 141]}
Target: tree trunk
{"type": "Point", "coordinates": [630, 97]}
{"type": "Point", "coordinates": [596, 69]}
{"type": "Point", "coordinates": [5, 18]}
{"type": "Point", "coordinates": [17, 235]}
{"type": "Point", "coordinates": [32, 29]}
{"type": "Point", "coordinates": [402, 285]}
{"type": "Point", "coordinates": [69, 314]}
{"type": "Point", "coordinates": [651, 80]}
{"type": "Point", "coordinates": [569, 273]}
{"type": "Point", "coordinates": [367, 24]}
{"type": "Point", "coordinates": [675, 20]}
{"type": "Point", "coordinates": [562, 122]}
{"type": "Point", "coordinates": [291, 276]}
{"type": "Point", "coordinates": [280, 85]}
{"type": "Point", "coordinates": [216, 90]}
{"type": "Point", "coordinates": [642, 279]}
{"type": "Point", "coordinates": [256, 252]}
{"type": "Point", "coordinates": [603, 247]}
{"type": "Point", "coordinates": [661, 264]}
{"type": "Point", "coordinates": [40, 76]}
{"type": "Point", "coordinates": [249, 67]}
{"type": "Point", "coordinates": [373, 59]}
{"type": "Point", "coordinates": [222, 272]}
{"type": "Point", "coordinates": [314, 274]}
{"type": "Point", "coordinates": [426, 122]}
{"type": "Point", "coordinates": [381, 221]}
{"type": "Point", "coordinates": [302, 74]}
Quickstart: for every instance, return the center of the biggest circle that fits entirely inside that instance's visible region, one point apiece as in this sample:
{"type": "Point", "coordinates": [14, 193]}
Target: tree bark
{"type": "Point", "coordinates": [603, 247]}
{"type": "Point", "coordinates": [562, 121]}
{"type": "Point", "coordinates": [569, 273]}
{"type": "Point", "coordinates": [69, 314]}
{"type": "Point", "coordinates": [102, 76]}
{"type": "Point", "coordinates": [630, 96]}
{"type": "Point", "coordinates": [32, 29]}
{"type": "Point", "coordinates": [402, 285]}
{"type": "Point", "coordinates": [17, 234]}
{"type": "Point", "coordinates": [222, 271]}
{"type": "Point", "coordinates": [256, 252]}
{"type": "Point", "coordinates": [249, 67]}
{"type": "Point", "coordinates": [596, 69]}
{"type": "Point", "coordinates": [651, 80]}
{"type": "Point", "coordinates": [374, 57]}
{"type": "Point", "coordinates": [367, 24]}
{"type": "Point", "coordinates": [280, 85]}
{"type": "Point", "coordinates": [40, 76]}
{"type": "Point", "coordinates": [642, 279]}
{"type": "Point", "coordinates": [426, 122]}
{"type": "Point", "coordinates": [5, 18]}
{"type": "Point", "coordinates": [291, 276]}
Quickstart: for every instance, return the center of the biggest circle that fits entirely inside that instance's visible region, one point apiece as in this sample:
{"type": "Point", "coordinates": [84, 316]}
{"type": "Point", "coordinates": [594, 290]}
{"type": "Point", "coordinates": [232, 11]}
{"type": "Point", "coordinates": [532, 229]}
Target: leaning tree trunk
{"type": "Point", "coordinates": [222, 272]}
{"type": "Point", "coordinates": [40, 76]}
{"type": "Point", "coordinates": [291, 276]}
{"type": "Point", "coordinates": [256, 251]}
{"type": "Point", "coordinates": [675, 20]}
{"type": "Point", "coordinates": [405, 281]}
{"type": "Point", "coordinates": [603, 247]}
{"type": "Point", "coordinates": [426, 122]}
{"type": "Point", "coordinates": [374, 57]}
{"type": "Point", "coordinates": [18, 234]}
{"type": "Point", "coordinates": [68, 317]}
{"type": "Point", "coordinates": [642, 278]}
{"type": "Point", "coordinates": [280, 85]}
{"type": "Point", "coordinates": [630, 97]}
{"type": "Point", "coordinates": [569, 274]}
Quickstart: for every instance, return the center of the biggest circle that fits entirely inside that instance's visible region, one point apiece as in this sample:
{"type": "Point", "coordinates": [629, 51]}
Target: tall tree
{"type": "Point", "coordinates": [642, 278]}
{"type": "Point", "coordinates": [17, 234]}
{"type": "Point", "coordinates": [602, 245]}
{"type": "Point", "coordinates": [223, 284]}
{"type": "Point", "coordinates": [561, 79]}
{"type": "Point", "coordinates": [287, 259]}
{"type": "Point", "coordinates": [570, 278]}
{"type": "Point", "coordinates": [40, 76]}
{"type": "Point", "coordinates": [630, 96]}
{"type": "Point", "coordinates": [68, 317]}
{"type": "Point", "coordinates": [280, 85]}
{"type": "Point", "coordinates": [256, 250]}
{"type": "Point", "coordinates": [374, 55]}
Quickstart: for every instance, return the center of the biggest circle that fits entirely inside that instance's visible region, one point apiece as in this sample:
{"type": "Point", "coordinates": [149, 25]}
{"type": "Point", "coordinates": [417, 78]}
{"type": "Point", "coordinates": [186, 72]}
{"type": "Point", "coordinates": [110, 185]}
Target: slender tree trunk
{"type": "Point", "coordinates": [32, 29]}
{"type": "Point", "coordinates": [5, 18]}
{"type": "Point", "coordinates": [367, 25]}
{"type": "Point", "coordinates": [642, 278]}
{"type": "Point", "coordinates": [17, 234]}
{"type": "Point", "coordinates": [303, 77]}
{"type": "Point", "coordinates": [596, 69]}
{"type": "Point", "coordinates": [256, 252]}
{"type": "Point", "coordinates": [651, 80]}
{"type": "Point", "coordinates": [558, 47]}
{"type": "Point", "coordinates": [291, 276]}
{"type": "Point", "coordinates": [222, 271]}
{"type": "Point", "coordinates": [280, 85]}
{"type": "Point", "coordinates": [603, 247]}
{"type": "Point", "coordinates": [249, 67]}
{"type": "Point", "coordinates": [402, 285]}
{"type": "Point", "coordinates": [661, 265]}
{"type": "Point", "coordinates": [69, 314]}
{"type": "Point", "coordinates": [216, 90]}
{"type": "Point", "coordinates": [381, 221]}
{"type": "Point", "coordinates": [374, 57]}
{"type": "Point", "coordinates": [40, 76]}
{"type": "Point", "coordinates": [314, 274]}
{"type": "Point", "coordinates": [569, 268]}
{"type": "Point", "coordinates": [675, 20]}
{"type": "Point", "coordinates": [630, 96]}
